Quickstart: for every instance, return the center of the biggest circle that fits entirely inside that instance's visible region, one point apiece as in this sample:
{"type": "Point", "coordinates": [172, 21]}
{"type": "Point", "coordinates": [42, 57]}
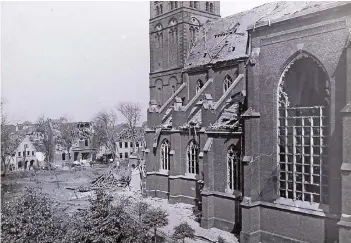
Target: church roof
{"type": "Point", "coordinates": [226, 39]}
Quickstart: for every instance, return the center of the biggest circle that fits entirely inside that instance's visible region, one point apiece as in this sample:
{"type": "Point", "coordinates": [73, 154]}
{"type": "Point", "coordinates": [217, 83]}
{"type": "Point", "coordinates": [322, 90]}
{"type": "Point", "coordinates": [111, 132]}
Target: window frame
{"type": "Point", "coordinates": [233, 169]}
{"type": "Point", "coordinates": [302, 177]}
{"type": "Point", "coordinates": [199, 85]}
{"type": "Point", "coordinates": [192, 158]}
{"type": "Point", "coordinates": [228, 81]}
{"type": "Point", "coordinates": [165, 155]}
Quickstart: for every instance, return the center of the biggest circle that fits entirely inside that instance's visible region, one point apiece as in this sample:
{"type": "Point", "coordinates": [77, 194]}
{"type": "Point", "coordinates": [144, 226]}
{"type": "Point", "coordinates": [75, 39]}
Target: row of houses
{"type": "Point", "coordinates": [30, 150]}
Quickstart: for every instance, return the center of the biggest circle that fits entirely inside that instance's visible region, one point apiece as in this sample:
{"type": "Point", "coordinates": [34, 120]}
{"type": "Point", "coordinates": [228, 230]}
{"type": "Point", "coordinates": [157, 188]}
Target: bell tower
{"type": "Point", "coordinates": [172, 30]}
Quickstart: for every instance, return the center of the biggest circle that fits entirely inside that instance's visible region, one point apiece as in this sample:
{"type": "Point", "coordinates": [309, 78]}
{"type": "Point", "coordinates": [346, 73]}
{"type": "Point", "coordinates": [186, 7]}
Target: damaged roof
{"type": "Point", "coordinates": [227, 38]}
{"type": "Point", "coordinates": [229, 117]}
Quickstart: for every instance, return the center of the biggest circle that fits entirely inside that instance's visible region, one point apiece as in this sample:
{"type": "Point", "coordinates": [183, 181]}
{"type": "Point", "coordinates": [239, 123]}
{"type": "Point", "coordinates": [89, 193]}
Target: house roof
{"type": "Point", "coordinates": [226, 39]}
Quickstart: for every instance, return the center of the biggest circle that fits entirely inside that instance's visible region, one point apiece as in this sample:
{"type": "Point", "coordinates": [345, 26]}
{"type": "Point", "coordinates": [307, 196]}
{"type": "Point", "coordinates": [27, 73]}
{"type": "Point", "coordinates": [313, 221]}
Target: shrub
{"type": "Point", "coordinates": [183, 231]}
{"type": "Point", "coordinates": [221, 240]}
{"type": "Point", "coordinates": [155, 218]}
{"type": "Point", "coordinates": [103, 222]}
{"type": "Point", "coordinates": [31, 218]}
{"type": "Point", "coordinates": [141, 208]}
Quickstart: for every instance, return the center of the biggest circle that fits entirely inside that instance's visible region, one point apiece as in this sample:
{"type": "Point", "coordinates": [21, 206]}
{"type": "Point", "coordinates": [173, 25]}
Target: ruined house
{"type": "Point", "coordinates": [83, 147]}
{"type": "Point", "coordinates": [250, 117]}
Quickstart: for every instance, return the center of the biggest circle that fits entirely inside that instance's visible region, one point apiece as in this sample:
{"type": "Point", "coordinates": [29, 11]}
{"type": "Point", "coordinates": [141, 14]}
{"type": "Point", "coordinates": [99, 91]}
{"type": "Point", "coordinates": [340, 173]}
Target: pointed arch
{"type": "Point", "coordinates": [303, 99]}
{"type": "Point", "coordinates": [192, 153]}
{"type": "Point", "coordinates": [199, 85]}
{"type": "Point", "coordinates": [165, 154]}
{"type": "Point", "coordinates": [173, 84]}
{"type": "Point", "coordinates": [172, 22]}
{"type": "Point", "coordinates": [158, 91]}
{"type": "Point", "coordinates": [227, 82]}
{"type": "Point", "coordinates": [233, 170]}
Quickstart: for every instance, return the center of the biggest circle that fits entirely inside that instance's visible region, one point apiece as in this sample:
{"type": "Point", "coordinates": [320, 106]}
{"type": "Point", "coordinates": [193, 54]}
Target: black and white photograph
{"type": "Point", "coordinates": [175, 121]}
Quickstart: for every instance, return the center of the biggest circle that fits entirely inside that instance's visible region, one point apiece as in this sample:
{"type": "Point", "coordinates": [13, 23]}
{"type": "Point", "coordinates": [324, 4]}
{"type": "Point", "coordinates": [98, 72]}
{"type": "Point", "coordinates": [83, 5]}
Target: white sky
{"type": "Point", "coordinates": [77, 58]}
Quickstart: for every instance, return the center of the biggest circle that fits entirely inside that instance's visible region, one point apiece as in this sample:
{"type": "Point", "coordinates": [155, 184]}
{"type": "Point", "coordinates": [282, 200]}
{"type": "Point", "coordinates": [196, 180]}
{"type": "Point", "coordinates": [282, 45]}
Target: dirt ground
{"type": "Point", "coordinates": [57, 185]}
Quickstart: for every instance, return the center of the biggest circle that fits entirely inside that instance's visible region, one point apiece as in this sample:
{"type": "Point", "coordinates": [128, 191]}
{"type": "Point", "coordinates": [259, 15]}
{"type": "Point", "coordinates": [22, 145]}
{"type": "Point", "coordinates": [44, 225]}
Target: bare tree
{"type": "Point", "coordinates": [9, 141]}
{"type": "Point", "coordinates": [67, 134]}
{"type": "Point", "coordinates": [43, 126]}
{"type": "Point", "coordinates": [132, 113]}
{"type": "Point", "coordinates": [106, 130]}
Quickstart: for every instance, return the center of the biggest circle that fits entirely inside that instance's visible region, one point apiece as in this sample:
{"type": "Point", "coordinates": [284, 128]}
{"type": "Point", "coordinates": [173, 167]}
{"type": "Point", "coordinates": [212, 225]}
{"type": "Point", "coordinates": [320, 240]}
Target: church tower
{"type": "Point", "coordinates": [172, 29]}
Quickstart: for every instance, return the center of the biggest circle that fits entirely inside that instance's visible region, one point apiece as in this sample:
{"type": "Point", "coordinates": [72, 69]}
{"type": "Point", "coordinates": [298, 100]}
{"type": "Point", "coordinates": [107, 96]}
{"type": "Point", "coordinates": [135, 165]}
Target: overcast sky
{"type": "Point", "coordinates": [77, 58]}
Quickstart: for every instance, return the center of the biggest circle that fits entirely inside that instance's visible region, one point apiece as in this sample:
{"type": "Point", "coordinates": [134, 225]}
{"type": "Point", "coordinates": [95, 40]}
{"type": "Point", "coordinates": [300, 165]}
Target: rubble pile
{"type": "Point", "coordinates": [114, 176]}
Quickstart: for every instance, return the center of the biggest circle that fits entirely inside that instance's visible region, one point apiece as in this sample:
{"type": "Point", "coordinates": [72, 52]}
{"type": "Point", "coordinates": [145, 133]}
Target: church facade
{"type": "Point", "coordinates": [250, 117]}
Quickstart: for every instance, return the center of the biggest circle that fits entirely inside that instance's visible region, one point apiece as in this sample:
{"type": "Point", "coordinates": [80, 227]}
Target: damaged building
{"type": "Point", "coordinates": [250, 117]}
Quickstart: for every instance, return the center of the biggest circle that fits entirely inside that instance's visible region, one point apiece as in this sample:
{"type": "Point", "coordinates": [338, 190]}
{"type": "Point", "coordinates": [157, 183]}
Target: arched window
{"type": "Point", "coordinates": [193, 31]}
{"type": "Point", "coordinates": [211, 8]}
{"type": "Point", "coordinates": [207, 6]}
{"type": "Point", "coordinates": [199, 85]}
{"type": "Point", "coordinates": [175, 4]}
{"type": "Point", "coordinates": [193, 157]}
{"type": "Point", "coordinates": [157, 10]}
{"type": "Point", "coordinates": [158, 91]}
{"type": "Point", "coordinates": [227, 82]}
{"type": "Point", "coordinates": [233, 170]}
{"type": "Point", "coordinates": [173, 85]}
{"type": "Point", "coordinates": [191, 4]}
{"type": "Point", "coordinates": [171, 4]}
{"type": "Point", "coordinates": [303, 105]}
{"type": "Point", "coordinates": [165, 155]}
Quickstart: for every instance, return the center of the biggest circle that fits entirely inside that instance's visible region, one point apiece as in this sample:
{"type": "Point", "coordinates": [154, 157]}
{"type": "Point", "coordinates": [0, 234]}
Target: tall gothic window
{"type": "Point", "coordinates": [173, 5]}
{"type": "Point", "coordinates": [173, 85]}
{"type": "Point", "coordinates": [233, 170]}
{"type": "Point", "coordinates": [158, 46]}
{"type": "Point", "coordinates": [165, 155]}
{"type": "Point", "coordinates": [158, 91]}
{"type": "Point", "coordinates": [207, 6]}
{"type": "Point", "coordinates": [193, 31]}
{"type": "Point", "coordinates": [211, 8]}
{"type": "Point", "coordinates": [227, 82]}
{"type": "Point", "coordinates": [303, 101]}
{"type": "Point", "coordinates": [199, 85]}
{"type": "Point", "coordinates": [193, 157]}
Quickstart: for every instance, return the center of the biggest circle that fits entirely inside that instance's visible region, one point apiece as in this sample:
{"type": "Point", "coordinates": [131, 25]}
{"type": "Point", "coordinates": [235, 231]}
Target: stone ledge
{"type": "Point", "coordinates": [157, 191]}
{"type": "Point", "coordinates": [181, 199]}
{"type": "Point", "coordinates": [292, 209]}
{"type": "Point", "coordinates": [183, 177]}
{"type": "Point", "coordinates": [271, 237]}
{"type": "Point", "coordinates": [215, 222]}
{"type": "Point", "coordinates": [219, 194]}
{"type": "Point", "coordinates": [346, 167]}
{"type": "Point", "coordinates": [162, 173]}
{"type": "Point", "coordinates": [344, 224]}
{"type": "Point", "coordinates": [346, 111]}
{"type": "Point", "coordinates": [252, 237]}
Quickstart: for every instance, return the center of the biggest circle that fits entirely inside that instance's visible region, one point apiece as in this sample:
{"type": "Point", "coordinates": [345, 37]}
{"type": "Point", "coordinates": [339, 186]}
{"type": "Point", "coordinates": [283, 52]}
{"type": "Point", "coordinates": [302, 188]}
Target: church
{"type": "Point", "coordinates": [249, 117]}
